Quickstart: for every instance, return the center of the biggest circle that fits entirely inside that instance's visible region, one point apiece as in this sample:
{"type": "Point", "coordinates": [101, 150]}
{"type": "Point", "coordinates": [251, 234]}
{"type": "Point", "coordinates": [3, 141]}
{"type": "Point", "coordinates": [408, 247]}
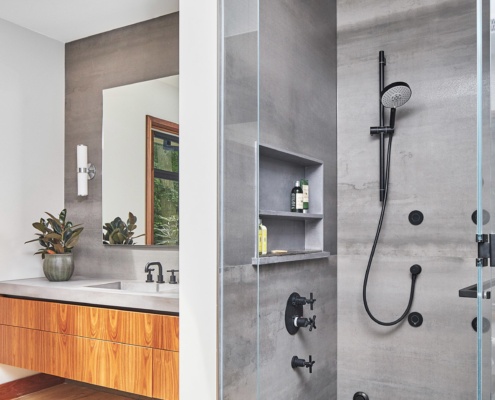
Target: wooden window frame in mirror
{"type": "Point", "coordinates": [153, 123]}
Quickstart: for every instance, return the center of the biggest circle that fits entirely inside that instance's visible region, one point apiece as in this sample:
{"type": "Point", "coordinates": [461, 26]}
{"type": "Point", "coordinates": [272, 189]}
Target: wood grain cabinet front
{"type": "Point", "coordinates": [130, 351]}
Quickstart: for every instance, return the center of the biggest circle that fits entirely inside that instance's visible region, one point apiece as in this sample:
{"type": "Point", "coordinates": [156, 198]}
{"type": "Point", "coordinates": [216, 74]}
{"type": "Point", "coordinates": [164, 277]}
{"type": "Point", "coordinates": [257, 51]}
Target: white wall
{"type": "Point", "coordinates": [124, 144]}
{"type": "Point", "coordinates": [198, 199]}
{"type": "Point", "coordinates": [32, 149]}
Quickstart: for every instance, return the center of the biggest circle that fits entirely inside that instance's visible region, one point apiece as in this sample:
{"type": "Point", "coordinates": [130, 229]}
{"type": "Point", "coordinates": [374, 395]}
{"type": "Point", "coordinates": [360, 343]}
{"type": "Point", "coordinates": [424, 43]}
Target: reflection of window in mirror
{"type": "Point", "coordinates": [162, 182]}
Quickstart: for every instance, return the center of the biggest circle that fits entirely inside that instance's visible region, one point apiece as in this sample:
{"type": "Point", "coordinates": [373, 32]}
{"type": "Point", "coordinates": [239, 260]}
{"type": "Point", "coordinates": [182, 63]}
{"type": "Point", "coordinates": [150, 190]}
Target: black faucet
{"type": "Point", "coordinates": [302, 322]}
{"type": "Point", "coordinates": [160, 272]}
{"type": "Point", "coordinates": [299, 362]}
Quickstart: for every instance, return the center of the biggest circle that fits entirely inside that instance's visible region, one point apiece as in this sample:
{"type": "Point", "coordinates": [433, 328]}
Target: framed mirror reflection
{"type": "Point", "coordinates": [140, 184]}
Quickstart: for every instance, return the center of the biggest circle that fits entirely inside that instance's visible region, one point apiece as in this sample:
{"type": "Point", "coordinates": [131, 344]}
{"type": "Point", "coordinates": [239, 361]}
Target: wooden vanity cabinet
{"type": "Point", "coordinates": [131, 351]}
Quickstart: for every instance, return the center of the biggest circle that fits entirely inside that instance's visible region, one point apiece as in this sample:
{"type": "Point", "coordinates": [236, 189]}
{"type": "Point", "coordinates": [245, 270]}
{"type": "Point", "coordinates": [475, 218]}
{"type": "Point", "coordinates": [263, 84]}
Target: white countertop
{"type": "Point", "coordinates": [76, 290]}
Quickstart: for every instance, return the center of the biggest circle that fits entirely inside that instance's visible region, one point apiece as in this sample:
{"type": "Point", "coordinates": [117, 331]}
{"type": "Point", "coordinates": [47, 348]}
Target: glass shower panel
{"type": "Point", "coordinates": [238, 216]}
{"type": "Point", "coordinates": [487, 90]}
{"type": "Point", "coordinates": [297, 142]}
{"type": "Point", "coordinates": [485, 225]}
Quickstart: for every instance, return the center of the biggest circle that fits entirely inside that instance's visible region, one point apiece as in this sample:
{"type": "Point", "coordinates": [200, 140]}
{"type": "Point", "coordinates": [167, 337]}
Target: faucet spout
{"type": "Point", "coordinates": [160, 271]}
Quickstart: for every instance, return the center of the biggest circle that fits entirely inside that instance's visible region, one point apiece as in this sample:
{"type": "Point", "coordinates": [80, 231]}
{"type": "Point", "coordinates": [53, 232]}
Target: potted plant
{"type": "Point", "coordinates": [57, 237]}
{"type": "Point", "coordinates": [120, 232]}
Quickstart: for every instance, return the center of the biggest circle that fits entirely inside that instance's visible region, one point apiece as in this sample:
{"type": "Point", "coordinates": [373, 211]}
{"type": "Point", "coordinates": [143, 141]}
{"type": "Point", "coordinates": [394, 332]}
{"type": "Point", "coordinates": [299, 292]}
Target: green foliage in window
{"type": "Point", "coordinates": [166, 230]}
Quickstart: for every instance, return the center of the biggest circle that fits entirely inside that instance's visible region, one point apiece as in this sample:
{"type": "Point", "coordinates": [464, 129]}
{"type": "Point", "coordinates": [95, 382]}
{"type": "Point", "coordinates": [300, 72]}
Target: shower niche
{"type": "Point", "coordinates": [291, 236]}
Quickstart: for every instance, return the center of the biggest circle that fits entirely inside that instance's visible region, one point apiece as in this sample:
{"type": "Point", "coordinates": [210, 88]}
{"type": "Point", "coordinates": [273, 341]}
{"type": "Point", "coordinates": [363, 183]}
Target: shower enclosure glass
{"type": "Point", "coordinates": [278, 126]}
{"type": "Point", "coordinates": [278, 90]}
{"type": "Point", "coordinates": [238, 346]}
{"type": "Point", "coordinates": [485, 225]}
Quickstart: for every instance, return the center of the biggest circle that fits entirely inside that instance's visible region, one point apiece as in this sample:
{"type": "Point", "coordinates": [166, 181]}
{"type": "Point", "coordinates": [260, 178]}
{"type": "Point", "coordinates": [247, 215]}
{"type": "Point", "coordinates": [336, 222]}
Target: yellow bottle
{"type": "Point", "coordinates": [262, 239]}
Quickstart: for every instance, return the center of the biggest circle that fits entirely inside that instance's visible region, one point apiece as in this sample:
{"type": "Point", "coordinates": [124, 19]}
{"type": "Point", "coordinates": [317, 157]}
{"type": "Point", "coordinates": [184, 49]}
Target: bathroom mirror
{"type": "Point", "coordinates": [140, 163]}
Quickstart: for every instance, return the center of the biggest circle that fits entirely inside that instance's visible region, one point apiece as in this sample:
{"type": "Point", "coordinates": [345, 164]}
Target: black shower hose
{"type": "Point", "coordinates": [415, 270]}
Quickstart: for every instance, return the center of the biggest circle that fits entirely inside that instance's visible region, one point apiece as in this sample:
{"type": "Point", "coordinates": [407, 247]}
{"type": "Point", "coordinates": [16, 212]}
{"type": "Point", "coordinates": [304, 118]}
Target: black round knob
{"type": "Point", "coordinates": [415, 269]}
{"type": "Point", "coordinates": [485, 325]}
{"type": "Point", "coordinates": [416, 217]}
{"type": "Point", "coordinates": [415, 319]}
{"type": "Point", "coordinates": [360, 396]}
{"type": "Point", "coordinates": [485, 217]}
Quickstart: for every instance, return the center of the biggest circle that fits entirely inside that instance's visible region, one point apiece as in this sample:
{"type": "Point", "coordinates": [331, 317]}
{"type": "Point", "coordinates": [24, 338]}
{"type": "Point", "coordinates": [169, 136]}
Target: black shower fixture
{"type": "Point", "coordinates": [297, 362]}
{"type": "Point", "coordinates": [393, 96]}
{"type": "Point", "coordinates": [416, 217]}
{"type": "Point", "coordinates": [294, 313]}
{"type": "Point", "coordinates": [415, 319]}
{"type": "Point", "coordinates": [360, 396]}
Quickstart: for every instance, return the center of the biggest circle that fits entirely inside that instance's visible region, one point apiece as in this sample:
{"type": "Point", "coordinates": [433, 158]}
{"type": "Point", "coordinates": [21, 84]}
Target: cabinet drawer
{"type": "Point", "coordinates": [117, 325]}
{"type": "Point", "coordinates": [121, 326]}
{"type": "Point", "coordinates": [63, 355]}
{"type": "Point", "coordinates": [99, 362]}
{"type": "Point", "coordinates": [21, 313]}
{"type": "Point", "coordinates": [117, 366]}
{"type": "Point", "coordinates": [100, 323]}
{"type": "Point", "coordinates": [165, 374]}
{"type": "Point", "coordinates": [166, 332]}
{"type": "Point", "coordinates": [21, 347]}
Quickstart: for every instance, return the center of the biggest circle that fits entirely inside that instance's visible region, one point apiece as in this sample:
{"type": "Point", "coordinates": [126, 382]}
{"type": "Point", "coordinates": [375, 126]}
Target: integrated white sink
{"type": "Point", "coordinates": [138, 286]}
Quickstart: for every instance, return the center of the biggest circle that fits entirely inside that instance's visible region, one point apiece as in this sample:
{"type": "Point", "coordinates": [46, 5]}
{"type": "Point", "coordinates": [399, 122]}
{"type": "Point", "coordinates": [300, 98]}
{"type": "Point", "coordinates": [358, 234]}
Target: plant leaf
{"type": "Point", "coordinates": [51, 216]}
{"type": "Point", "coordinates": [62, 215]}
{"type": "Point", "coordinates": [40, 226]}
{"type": "Point", "coordinates": [72, 242]}
{"type": "Point", "coordinates": [43, 243]}
{"type": "Point", "coordinates": [56, 225]}
{"type": "Point", "coordinates": [58, 248]}
{"type": "Point", "coordinates": [132, 219]}
{"type": "Point", "coordinates": [53, 235]}
{"type": "Point", "coordinates": [35, 240]}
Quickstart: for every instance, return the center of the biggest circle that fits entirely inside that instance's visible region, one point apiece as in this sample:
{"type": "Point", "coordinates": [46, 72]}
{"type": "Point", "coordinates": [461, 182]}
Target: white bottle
{"type": "Point", "coordinates": [262, 239]}
{"type": "Point", "coordinates": [305, 188]}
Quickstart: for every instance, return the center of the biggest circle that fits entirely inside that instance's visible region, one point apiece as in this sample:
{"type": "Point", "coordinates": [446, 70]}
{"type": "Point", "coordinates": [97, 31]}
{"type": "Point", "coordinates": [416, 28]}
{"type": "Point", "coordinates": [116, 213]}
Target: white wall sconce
{"type": "Point", "coordinates": [85, 171]}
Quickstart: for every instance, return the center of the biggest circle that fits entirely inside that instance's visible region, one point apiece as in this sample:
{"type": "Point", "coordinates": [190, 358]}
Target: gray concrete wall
{"type": "Point", "coordinates": [432, 46]}
{"type": "Point", "coordinates": [136, 53]}
{"type": "Point", "coordinates": [297, 65]}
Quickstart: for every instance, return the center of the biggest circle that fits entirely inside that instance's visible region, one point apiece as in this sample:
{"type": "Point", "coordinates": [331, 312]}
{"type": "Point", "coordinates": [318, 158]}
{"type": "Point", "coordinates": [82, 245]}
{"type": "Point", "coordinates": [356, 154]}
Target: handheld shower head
{"type": "Point", "coordinates": [396, 94]}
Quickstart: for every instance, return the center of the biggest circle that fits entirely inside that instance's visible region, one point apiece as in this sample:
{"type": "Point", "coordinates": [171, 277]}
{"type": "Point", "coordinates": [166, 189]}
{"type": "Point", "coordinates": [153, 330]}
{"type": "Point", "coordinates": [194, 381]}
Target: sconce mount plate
{"type": "Point", "coordinates": [91, 171]}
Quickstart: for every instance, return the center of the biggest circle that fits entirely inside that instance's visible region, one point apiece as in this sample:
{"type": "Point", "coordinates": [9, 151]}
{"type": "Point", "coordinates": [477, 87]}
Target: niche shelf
{"type": "Point", "coordinates": [300, 235]}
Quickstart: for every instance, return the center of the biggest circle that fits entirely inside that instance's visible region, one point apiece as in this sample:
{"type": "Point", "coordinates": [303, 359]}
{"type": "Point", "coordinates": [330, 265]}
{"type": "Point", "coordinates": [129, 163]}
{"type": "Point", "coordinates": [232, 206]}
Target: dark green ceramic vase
{"type": "Point", "coordinates": [58, 267]}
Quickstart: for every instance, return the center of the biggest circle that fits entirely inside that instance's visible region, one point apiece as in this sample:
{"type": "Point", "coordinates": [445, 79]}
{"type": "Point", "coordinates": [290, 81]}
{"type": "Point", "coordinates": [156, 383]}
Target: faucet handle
{"type": "Point", "coordinates": [149, 277]}
{"type": "Point", "coordinates": [173, 278]}
{"type": "Point", "coordinates": [297, 362]}
{"type": "Point", "coordinates": [301, 301]}
{"type": "Point", "coordinates": [311, 301]}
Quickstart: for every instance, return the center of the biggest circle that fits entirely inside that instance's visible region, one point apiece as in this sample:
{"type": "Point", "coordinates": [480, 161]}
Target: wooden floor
{"type": "Point", "coordinates": [71, 391]}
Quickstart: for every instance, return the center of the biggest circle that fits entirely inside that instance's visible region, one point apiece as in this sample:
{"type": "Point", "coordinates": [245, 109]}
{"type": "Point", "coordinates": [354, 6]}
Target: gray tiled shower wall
{"type": "Point", "coordinates": [135, 53]}
{"type": "Point", "coordinates": [298, 114]}
{"type": "Point", "coordinates": [431, 45]}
